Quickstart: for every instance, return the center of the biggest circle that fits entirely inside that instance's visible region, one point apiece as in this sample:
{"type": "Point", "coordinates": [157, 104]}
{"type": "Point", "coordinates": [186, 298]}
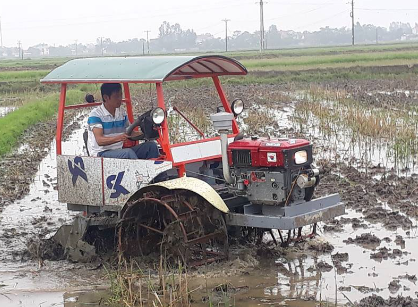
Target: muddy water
{"type": "Point", "coordinates": [5, 110]}
{"type": "Point", "coordinates": [302, 276]}
{"type": "Point", "coordinates": [38, 214]}
{"type": "Point", "coordinates": [362, 152]}
{"type": "Point", "coordinates": [276, 280]}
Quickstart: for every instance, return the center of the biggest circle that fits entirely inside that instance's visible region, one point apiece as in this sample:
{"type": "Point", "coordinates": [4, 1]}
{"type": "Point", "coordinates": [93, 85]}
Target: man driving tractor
{"type": "Point", "coordinates": [107, 129]}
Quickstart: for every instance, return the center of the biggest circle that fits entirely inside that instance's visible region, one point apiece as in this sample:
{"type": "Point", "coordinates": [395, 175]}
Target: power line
{"type": "Point", "coordinates": [226, 33]}
{"type": "Point", "coordinates": [319, 21]}
{"type": "Point", "coordinates": [304, 12]}
{"type": "Point", "coordinates": [375, 9]}
{"type": "Point", "coordinates": [125, 18]}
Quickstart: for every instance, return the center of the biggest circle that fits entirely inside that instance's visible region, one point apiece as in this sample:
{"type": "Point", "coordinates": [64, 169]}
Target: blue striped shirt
{"type": "Point", "coordinates": [112, 126]}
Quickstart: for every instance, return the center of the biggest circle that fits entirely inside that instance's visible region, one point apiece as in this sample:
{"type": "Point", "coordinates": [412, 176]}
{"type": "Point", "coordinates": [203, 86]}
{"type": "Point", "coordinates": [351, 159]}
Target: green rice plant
{"type": "Point", "coordinates": [130, 286]}
{"type": "Point", "coordinates": [332, 111]}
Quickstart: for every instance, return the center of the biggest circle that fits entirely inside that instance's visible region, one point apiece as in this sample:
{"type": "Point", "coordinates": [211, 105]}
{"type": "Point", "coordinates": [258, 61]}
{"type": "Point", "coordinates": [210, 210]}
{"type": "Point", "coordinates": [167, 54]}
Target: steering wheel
{"type": "Point", "coordinates": [149, 131]}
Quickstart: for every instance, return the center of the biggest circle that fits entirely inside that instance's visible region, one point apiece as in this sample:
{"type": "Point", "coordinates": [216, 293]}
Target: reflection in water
{"type": "Point", "coordinates": [295, 279]}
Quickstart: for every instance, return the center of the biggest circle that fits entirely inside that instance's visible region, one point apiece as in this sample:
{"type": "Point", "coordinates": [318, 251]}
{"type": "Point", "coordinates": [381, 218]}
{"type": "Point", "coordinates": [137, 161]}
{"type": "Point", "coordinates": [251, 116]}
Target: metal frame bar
{"type": "Point", "coordinates": [190, 123]}
{"type": "Point", "coordinates": [330, 208]}
{"type": "Point", "coordinates": [128, 102]}
{"type": "Point", "coordinates": [165, 141]}
{"type": "Point", "coordinates": [225, 103]}
{"type": "Point", "coordinates": [60, 119]}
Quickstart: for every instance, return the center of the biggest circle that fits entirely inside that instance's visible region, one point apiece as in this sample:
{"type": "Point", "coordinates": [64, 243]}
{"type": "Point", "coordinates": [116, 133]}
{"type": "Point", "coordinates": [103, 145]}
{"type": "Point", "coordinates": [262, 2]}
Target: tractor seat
{"type": "Point", "coordinates": [86, 139]}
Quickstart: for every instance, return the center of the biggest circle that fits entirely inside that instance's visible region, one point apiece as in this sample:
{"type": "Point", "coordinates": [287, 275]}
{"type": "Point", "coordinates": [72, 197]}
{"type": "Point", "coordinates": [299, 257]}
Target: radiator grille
{"type": "Point", "coordinates": [241, 157]}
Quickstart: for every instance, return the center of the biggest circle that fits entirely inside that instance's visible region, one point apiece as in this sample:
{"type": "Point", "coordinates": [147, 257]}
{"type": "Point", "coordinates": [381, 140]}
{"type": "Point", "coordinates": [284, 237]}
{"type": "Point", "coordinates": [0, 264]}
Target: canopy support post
{"type": "Point", "coordinates": [128, 102]}
{"type": "Point", "coordinates": [60, 119]}
{"type": "Point", "coordinates": [225, 103]}
{"type": "Point", "coordinates": [165, 142]}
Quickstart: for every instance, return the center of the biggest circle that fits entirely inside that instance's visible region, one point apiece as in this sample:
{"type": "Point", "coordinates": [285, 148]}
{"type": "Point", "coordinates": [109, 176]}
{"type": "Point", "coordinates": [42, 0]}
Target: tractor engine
{"type": "Point", "coordinates": [272, 171]}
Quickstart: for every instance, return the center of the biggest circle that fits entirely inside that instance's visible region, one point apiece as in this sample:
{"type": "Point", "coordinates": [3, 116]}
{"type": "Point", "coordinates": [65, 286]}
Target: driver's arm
{"type": "Point", "coordinates": [136, 133]}
{"type": "Point", "coordinates": [137, 130]}
{"type": "Point", "coordinates": [107, 140]}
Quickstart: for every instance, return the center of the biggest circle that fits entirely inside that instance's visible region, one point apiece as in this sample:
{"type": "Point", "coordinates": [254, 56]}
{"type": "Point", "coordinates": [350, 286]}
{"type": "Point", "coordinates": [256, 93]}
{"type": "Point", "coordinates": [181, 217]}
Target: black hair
{"type": "Point", "coordinates": [89, 98]}
{"type": "Point", "coordinates": [110, 88]}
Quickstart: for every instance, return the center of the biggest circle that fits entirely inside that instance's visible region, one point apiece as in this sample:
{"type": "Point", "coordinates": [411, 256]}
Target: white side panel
{"type": "Point", "coordinates": [80, 180]}
{"type": "Point", "coordinates": [197, 151]}
{"type": "Point", "coordinates": [122, 177]}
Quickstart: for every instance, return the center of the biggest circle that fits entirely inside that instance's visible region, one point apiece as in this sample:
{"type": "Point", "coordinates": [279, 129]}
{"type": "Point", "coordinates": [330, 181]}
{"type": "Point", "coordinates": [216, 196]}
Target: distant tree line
{"type": "Point", "coordinates": [172, 38]}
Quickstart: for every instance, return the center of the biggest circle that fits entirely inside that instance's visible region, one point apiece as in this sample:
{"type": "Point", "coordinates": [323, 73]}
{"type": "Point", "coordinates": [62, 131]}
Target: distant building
{"type": "Point", "coordinates": [43, 49]}
{"type": "Point", "coordinates": [203, 37]}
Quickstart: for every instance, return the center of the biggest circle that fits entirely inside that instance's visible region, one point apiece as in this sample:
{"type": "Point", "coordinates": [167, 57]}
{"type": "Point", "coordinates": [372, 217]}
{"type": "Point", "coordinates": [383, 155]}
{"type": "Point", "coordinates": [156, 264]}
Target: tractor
{"type": "Point", "coordinates": [190, 200]}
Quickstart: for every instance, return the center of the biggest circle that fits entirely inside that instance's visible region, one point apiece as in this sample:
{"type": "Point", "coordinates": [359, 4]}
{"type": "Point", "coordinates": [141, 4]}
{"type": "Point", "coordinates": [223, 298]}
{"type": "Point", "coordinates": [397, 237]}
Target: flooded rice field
{"type": "Point", "coordinates": [6, 110]}
{"type": "Point", "coordinates": [371, 250]}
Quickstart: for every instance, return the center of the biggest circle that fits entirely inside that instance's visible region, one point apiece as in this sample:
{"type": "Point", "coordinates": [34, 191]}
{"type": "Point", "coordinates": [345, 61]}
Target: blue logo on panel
{"type": "Point", "coordinates": [77, 169]}
{"type": "Point", "coordinates": [113, 182]}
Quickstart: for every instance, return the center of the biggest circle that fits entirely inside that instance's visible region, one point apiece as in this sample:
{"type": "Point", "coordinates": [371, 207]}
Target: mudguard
{"type": "Point", "coordinates": [191, 184]}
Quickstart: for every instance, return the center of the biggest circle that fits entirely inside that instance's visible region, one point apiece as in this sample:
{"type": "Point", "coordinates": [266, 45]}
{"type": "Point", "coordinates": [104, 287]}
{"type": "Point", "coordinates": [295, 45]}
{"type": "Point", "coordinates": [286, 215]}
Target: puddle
{"type": "Point", "coordinates": [5, 110]}
{"type": "Point", "coordinates": [300, 278]}
{"type": "Point", "coordinates": [25, 283]}
{"type": "Point", "coordinates": [39, 212]}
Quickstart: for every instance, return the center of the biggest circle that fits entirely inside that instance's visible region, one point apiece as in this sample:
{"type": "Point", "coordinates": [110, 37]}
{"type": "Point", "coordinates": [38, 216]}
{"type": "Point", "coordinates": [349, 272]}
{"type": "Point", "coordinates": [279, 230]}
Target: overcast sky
{"type": "Point", "coordinates": [62, 22]}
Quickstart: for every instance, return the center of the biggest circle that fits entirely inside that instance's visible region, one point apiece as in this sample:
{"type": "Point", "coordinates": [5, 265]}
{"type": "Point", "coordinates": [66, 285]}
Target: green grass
{"type": "Point", "coordinates": [15, 123]}
{"type": "Point", "coordinates": [24, 75]}
{"type": "Point", "coordinates": [29, 63]}
{"type": "Point", "coordinates": [295, 52]}
{"type": "Point", "coordinates": [302, 62]}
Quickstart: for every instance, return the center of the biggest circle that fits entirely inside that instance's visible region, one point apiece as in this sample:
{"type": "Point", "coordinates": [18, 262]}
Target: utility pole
{"type": "Point", "coordinates": [261, 25]}
{"type": "Point", "coordinates": [226, 33]}
{"type": "Point", "coordinates": [352, 22]}
{"type": "Point", "coordinates": [143, 47]}
{"type": "Point", "coordinates": [147, 40]}
{"type": "Point", "coordinates": [101, 45]}
{"type": "Point", "coordinates": [1, 36]}
{"type": "Point", "coordinates": [19, 44]}
{"type": "Point", "coordinates": [76, 43]}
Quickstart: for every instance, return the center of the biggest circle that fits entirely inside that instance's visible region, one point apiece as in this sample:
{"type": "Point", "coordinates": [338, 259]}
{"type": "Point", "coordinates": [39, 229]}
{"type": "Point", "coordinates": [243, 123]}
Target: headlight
{"type": "Point", "coordinates": [301, 157]}
{"type": "Point", "coordinates": [157, 116]}
{"type": "Point", "coordinates": [237, 106]}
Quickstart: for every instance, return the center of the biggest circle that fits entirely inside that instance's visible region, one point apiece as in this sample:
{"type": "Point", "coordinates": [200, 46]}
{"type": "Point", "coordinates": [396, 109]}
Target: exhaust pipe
{"type": "Point", "coordinates": [222, 122]}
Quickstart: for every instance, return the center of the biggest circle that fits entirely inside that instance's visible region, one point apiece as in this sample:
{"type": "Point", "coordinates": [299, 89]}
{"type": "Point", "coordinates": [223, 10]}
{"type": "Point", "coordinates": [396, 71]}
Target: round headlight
{"type": "Point", "coordinates": [301, 157]}
{"type": "Point", "coordinates": [157, 116]}
{"type": "Point", "coordinates": [237, 106]}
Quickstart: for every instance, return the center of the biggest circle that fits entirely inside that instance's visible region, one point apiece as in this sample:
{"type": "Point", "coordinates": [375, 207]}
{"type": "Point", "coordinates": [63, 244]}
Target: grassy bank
{"type": "Point", "coordinates": [345, 60]}
{"type": "Point", "coordinates": [296, 52]}
{"type": "Point", "coordinates": [26, 64]}
{"type": "Point", "coordinates": [15, 123]}
{"type": "Point", "coordinates": [24, 75]}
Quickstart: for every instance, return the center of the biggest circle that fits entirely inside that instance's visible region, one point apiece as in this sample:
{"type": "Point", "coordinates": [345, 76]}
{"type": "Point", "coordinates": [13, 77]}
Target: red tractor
{"type": "Point", "coordinates": [186, 201]}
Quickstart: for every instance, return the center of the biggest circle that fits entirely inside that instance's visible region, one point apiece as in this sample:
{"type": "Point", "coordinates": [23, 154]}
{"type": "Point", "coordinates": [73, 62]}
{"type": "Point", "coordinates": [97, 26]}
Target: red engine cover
{"type": "Point", "coordinates": [265, 152]}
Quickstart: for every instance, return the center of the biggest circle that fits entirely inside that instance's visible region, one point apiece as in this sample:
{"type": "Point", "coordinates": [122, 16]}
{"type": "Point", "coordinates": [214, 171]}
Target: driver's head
{"type": "Point", "coordinates": [112, 94]}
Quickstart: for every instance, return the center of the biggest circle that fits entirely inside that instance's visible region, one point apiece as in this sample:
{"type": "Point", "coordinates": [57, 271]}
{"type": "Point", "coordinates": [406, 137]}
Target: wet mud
{"type": "Point", "coordinates": [369, 251]}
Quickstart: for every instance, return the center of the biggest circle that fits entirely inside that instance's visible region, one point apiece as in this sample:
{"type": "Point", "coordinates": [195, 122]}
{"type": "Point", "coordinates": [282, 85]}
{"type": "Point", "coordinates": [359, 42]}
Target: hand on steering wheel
{"type": "Point", "coordinates": [144, 121]}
